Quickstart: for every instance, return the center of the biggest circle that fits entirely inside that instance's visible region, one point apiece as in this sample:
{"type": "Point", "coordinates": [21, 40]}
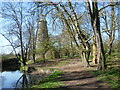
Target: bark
{"type": "Point", "coordinates": [95, 22]}
{"type": "Point", "coordinates": [85, 58]}
{"type": "Point", "coordinates": [34, 48]}
{"type": "Point", "coordinates": [43, 56]}
{"type": "Point", "coordinates": [94, 52]}
{"type": "Point", "coordinates": [21, 44]}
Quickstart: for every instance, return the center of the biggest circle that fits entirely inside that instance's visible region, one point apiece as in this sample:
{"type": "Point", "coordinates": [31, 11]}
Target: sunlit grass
{"type": "Point", "coordinates": [62, 63]}
{"type": "Point", "coordinates": [49, 84]}
{"type": "Point", "coordinates": [112, 75]}
{"type": "Point", "coordinates": [30, 62]}
{"type": "Point", "coordinates": [51, 81]}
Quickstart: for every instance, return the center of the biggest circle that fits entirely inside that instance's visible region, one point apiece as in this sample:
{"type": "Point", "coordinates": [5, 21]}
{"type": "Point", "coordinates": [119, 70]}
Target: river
{"type": "Point", "coordinates": [14, 79]}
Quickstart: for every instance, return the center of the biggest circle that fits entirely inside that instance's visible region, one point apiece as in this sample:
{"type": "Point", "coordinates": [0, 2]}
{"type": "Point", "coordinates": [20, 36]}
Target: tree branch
{"type": "Point", "coordinates": [117, 4]}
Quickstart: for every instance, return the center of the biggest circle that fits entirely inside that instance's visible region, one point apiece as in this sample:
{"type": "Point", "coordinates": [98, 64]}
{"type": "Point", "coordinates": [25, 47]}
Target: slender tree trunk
{"type": "Point", "coordinates": [75, 29]}
{"type": "Point", "coordinates": [34, 47]}
{"type": "Point", "coordinates": [43, 56]}
{"type": "Point", "coordinates": [110, 46]}
{"type": "Point", "coordinates": [94, 52]}
{"type": "Point", "coordinates": [22, 51]}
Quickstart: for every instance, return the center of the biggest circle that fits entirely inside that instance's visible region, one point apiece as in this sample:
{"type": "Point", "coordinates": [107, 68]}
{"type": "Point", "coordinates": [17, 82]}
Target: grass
{"type": "Point", "coordinates": [112, 75]}
{"type": "Point", "coordinates": [30, 62]}
{"type": "Point", "coordinates": [52, 81]}
{"type": "Point", "coordinates": [61, 63]}
{"type": "Point", "coordinates": [44, 68]}
{"type": "Point", "coordinates": [5, 57]}
{"type": "Point", "coordinates": [50, 84]}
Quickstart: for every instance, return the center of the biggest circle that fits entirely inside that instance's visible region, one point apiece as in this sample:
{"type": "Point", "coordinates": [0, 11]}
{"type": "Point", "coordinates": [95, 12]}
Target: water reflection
{"type": "Point", "coordinates": [9, 78]}
{"type": "Point", "coordinates": [23, 80]}
{"type": "Point", "coordinates": [15, 79]}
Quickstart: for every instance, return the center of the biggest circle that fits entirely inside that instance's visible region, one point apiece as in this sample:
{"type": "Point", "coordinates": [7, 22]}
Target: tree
{"type": "Point", "coordinates": [95, 23]}
{"type": "Point", "coordinates": [71, 24]}
{"type": "Point", "coordinates": [110, 27]}
{"type": "Point", "coordinates": [15, 16]}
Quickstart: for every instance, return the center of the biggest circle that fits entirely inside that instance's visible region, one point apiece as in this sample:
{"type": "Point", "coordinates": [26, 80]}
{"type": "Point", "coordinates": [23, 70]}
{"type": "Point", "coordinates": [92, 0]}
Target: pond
{"type": "Point", "coordinates": [14, 79]}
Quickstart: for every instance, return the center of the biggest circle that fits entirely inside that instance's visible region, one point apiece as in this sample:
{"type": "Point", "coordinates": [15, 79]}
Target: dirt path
{"type": "Point", "coordinates": [76, 76]}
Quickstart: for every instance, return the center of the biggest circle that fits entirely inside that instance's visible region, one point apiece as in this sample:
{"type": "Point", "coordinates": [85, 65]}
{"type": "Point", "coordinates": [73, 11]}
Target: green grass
{"type": "Point", "coordinates": [30, 62]}
{"type": "Point", "coordinates": [110, 76]}
{"type": "Point", "coordinates": [64, 56]}
{"type": "Point", "coordinates": [42, 68]}
{"type": "Point", "coordinates": [49, 84]}
{"type": "Point", "coordinates": [52, 81]}
{"type": "Point", "coordinates": [61, 63]}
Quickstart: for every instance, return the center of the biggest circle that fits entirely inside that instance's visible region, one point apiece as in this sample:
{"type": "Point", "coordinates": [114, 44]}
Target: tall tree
{"type": "Point", "coordinates": [95, 23]}
{"type": "Point", "coordinates": [70, 20]}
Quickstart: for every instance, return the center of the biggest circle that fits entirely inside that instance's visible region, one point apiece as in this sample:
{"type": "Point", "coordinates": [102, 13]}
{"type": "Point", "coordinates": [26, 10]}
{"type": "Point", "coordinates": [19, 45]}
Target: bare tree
{"type": "Point", "coordinates": [110, 27]}
{"type": "Point", "coordinates": [16, 14]}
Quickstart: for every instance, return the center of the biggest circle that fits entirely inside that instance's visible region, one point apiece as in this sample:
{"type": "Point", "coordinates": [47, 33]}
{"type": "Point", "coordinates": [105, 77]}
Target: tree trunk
{"type": "Point", "coordinates": [85, 55]}
{"type": "Point", "coordinates": [100, 49]}
{"type": "Point", "coordinates": [85, 59]}
{"type": "Point", "coordinates": [110, 47]}
{"type": "Point", "coordinates": [43, 56]}
{"type": "Point", "coordinates": [95, 22]}
{"type": "Point", "coordinates": [94, 53]}
{"type": "Point", "coordinates": [22, 51]}
{"type": "Point", "coordinates": [34, 48]}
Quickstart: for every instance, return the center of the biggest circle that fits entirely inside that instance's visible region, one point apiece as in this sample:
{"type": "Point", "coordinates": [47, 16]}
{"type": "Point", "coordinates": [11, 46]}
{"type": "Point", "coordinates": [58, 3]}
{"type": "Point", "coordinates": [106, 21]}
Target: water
{"type": "Point", "coordinates": [14, 79]}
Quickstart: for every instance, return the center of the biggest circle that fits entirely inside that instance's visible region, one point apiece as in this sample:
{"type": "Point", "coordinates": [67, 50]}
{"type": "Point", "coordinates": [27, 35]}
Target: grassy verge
{"type": "Point", "coordinates": [111, 77]}
{"type": "Point", "coordinates": [52, 81]}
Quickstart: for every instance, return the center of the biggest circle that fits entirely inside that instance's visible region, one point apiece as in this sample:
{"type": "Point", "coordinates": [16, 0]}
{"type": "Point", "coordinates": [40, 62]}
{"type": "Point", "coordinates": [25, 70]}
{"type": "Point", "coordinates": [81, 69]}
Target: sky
{"type": "Point", "coordinates": [5, 45]}
{"type": "Point", "coordinates": [4, 48]}
{"type": "Point", "coordinates": [3, 41]}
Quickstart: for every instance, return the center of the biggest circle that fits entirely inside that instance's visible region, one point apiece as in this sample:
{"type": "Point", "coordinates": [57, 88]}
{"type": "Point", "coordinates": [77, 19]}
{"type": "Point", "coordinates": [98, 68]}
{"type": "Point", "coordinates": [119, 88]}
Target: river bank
{"type": "Point", "coordinates": [10, 64]}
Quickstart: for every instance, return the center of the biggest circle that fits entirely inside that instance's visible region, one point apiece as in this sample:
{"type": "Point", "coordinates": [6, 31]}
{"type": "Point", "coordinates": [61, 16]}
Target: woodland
{"type": "Point", "coordinates": [77, 42]}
